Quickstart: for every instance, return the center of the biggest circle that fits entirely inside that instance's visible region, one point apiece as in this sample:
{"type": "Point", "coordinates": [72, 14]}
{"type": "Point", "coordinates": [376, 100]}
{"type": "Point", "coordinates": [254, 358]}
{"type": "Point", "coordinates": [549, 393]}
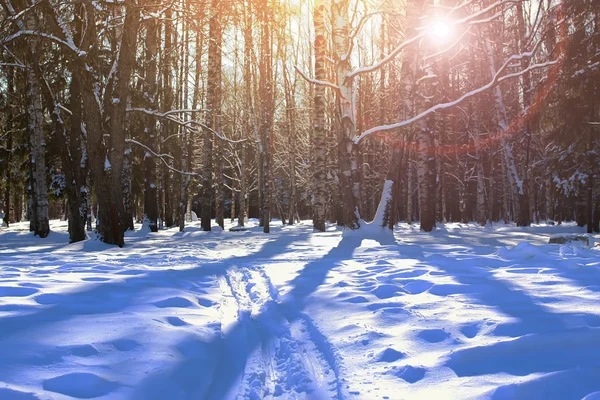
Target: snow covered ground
{"type": "Point", "coordinates": [465, 312]}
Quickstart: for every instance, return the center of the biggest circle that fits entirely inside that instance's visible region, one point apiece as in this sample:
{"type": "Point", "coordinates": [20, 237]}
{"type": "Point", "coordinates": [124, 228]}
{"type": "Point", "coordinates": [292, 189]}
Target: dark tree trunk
{"type": "Point", "coordinates": [151, 94]}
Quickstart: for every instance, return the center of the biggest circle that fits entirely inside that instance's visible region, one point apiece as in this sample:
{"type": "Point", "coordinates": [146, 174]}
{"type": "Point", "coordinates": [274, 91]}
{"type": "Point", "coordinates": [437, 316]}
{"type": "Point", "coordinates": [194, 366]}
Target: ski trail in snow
{"type": "Point", "coordinates": [290, 358]}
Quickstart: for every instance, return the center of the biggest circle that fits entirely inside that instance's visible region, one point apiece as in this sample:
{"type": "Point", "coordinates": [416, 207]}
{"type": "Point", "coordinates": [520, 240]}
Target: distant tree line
{"type": "Point", "coordinates": [343, 110]}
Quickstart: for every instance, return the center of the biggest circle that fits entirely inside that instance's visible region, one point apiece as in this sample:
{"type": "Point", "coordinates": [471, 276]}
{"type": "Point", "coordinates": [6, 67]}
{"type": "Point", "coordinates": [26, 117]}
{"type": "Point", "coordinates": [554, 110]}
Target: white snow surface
{"type": "Point", "coordinates": [463, 312]}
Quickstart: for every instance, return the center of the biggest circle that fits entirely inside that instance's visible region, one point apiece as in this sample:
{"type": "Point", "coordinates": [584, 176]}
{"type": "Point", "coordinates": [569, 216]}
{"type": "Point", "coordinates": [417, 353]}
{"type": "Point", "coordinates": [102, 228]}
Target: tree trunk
{"type": "Point", "coordinates": [167, 146]}
{"type": "Point", "coordinates": [187, 142]}
{"type": "Point", "coordinates": [127, 186]}
{"type": "Point", "coordinates": [39, 187]}
{"type": "Point", "coordinates": [390, 209]}
{"type": "Point", "coordinates": [247, 113]}
{"type": "Point", "coordinates": [345, 114]}
{"type": "Point", "coordinates": [106, 165]}
{"type": "Point", "coordinates": [217, 120]}
{"type": "Point", "coordinates": [9, 148]}
{"type": "Point", "coordinates": [319, 138]}
{"type": "Point", "coordinates": [515, 183]}
{"type": "Point", "coordinates": [151, 97]}
{"type": "Point", "coordinates": [267, 105]}
{"type": "Point", "coordinates": [410, 189]}
{"type": "Point", "coordinates": [213, 84]}
{"type": "Point", "coordinates": [76, 157]}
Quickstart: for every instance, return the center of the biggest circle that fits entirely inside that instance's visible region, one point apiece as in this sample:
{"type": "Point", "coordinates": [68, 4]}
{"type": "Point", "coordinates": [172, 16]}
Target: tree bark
{"type": "Point", "coordinates": [319, 136]}
{"type": "Point", "coordinates": [267, 105]}
{"type": "Point", "coordinates": [39, 187]}
{"type": "Point", "coordinates": [345, 114]}
{"type": "Point", "coordinates": [516, 185]}
{"type": "Point", "coordinates": [211, 120]}
{"type": "Point", "coordinates": [151, 97]}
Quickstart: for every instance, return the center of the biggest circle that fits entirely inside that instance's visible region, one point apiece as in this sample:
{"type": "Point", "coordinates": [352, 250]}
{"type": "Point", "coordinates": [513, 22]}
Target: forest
{"type": "Point", "coordinates": [299, 199]}
{"type": "Point", "coordinates": [341, 111]}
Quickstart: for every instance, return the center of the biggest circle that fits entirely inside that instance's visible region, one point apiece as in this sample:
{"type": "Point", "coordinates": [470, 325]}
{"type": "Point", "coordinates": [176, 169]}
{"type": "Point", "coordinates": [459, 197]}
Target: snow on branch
{"type": "Point", "coordinates": [354, 34]}
{"type": "Point", "coordinates": [146, 15]}
{"type": "Point", "coordinates": [170, 116]}
{"type": "Point", "coordinates": [161, 157]}
{"type": "Point", "coordinates": [16, 65]}
{"type": "Point", "coordinates": [317, 82]}
{"type": "Point", "coordinates": [29, 32]}
{"type": "Point", "coordinates": [466, 20]}
{"type": "Point", "coordinates": [486, 20]}
{"type": "Point", "coordinates": [65, 109]}
{"type": "Point", "coordinates": [386, 59]}
{"type": "Point", "coordinates": [495, 81]}
{"type": "Point", "coordinates": [20, 15]}
{"type": "Point", "coordinates": [158, 114]}
{"type": "Point", "coordinates": [217, 134]}
{"type": "Point", "coordinates": [439, 53]}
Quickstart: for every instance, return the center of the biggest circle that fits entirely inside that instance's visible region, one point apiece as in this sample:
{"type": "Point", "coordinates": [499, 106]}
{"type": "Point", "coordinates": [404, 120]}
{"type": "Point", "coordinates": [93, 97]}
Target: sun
{"type": "Point", "coordinates": [440, 30]}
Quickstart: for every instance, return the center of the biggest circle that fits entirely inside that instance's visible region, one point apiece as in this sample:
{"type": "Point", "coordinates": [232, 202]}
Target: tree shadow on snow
{"type": "Point", "coordinates": [216, 367]}
{"type": "Point", "coordinates": [111, 297]}
{"type": "Point", "coordinates": [564, 346]}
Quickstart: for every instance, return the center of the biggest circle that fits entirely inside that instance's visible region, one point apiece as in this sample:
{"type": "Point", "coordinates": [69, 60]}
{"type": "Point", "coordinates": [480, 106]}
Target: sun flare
{"type": "Point", "coordinates": [440, 29]}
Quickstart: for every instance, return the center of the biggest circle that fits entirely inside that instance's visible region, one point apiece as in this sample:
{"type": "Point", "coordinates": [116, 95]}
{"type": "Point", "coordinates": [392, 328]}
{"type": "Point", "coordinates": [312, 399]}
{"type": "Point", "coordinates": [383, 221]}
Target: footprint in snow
{"type": "Point", "coordinates": [408, 274]}
{"type": "Point", "coordinates": [205, 302]}
{"type": "Point", "coordinates": [390, 355]}
{"type": "Point", "coordinates": [80, 385]}
{"type": "Point", "coordinates": [408, 373]}
{"type": "Point", "coordinates": [433, 335]}
{"type": "Point", "coordinates": [364, 274]}
{"type": "Point", "coordinates": [16, 291]}
{"type": "Point", "coordinates": [379, 268]}
{"type": "Point", "coordinates": [444, 290]}
{"type": "Point", "coordinates": [357, 300]}
{"type": "Point", "coordinates": [369, 337]}
{"type": "Point", "coordinates": [387, 291]}
{"type": "Point", "coordinates": [470, 330]}
{"type": "Point", "coordinates": [125, 344]}
{"type": "Point", "coordinates": [30, 285]}
{"type": "Point", "coordinates": [179, 302]}
{"type": "Point", "coordinates": [6, 393]}
{"type": "Point", "coordinates": [417, 286]}
{"type": "Point", "coordinates": [176, 321]}
{"type": "Point", "coordinates": [84, 350]}
{"type": "Point", "coordinates": [95, 279]}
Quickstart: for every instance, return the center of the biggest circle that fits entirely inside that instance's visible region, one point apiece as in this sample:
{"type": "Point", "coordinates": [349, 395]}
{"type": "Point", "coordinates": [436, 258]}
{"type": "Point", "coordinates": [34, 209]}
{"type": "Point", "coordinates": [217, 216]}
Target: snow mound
{"type": "Point", "coordinates": [523, 250]}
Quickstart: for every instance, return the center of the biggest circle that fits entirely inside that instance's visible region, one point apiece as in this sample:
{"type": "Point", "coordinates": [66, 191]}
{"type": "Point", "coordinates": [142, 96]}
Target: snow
{"type": "Point", "coordinates": [462, 312]}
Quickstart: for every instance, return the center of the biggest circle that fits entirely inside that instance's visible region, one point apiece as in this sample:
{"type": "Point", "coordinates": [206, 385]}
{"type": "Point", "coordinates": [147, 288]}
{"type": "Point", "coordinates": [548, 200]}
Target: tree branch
{"type": "Point", "coordinates": [187, 124]}
{"type": "Point", "coordinates": [317, 82]}
{"type": "Point", "coordinates": [161, 157]}
{"type": "Point", "coordinates": [406, 43]}
{"type": "Point", "coordinates": [495, 81]}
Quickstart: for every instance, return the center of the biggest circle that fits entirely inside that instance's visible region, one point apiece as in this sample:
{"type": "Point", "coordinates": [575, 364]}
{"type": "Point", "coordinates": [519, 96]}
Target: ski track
{"type": "Point", "coordinates": [293, 360]}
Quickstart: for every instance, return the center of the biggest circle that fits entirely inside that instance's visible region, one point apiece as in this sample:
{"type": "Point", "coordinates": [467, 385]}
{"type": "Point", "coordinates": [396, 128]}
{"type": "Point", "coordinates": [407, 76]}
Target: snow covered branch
{"type": "Point", "coordinates": [447, 49]}
{"type": "Point", "coordinates": [158, 114]}
{"type": "Point", "coordinates": [354, 34]}
{"type": "Point", "coordinates": [495, 81]}
{"type": "Point", "coordinates": [469, 19]}
{"type": "Point", "coordinates": [317, 82]}
{"type": "Point", "coordinates": [169, 116]}
{"type": "Point", "coordinates": [161, 157]}
{"type": "Point", "coordinates": [15, 65]}
{"type": "Point", "coordinates": [28, 32]}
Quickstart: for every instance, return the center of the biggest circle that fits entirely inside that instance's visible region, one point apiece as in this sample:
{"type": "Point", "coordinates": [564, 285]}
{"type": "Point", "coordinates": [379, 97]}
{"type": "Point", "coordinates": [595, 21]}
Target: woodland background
{"type": "Point", "coordinates": [337, 110]}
